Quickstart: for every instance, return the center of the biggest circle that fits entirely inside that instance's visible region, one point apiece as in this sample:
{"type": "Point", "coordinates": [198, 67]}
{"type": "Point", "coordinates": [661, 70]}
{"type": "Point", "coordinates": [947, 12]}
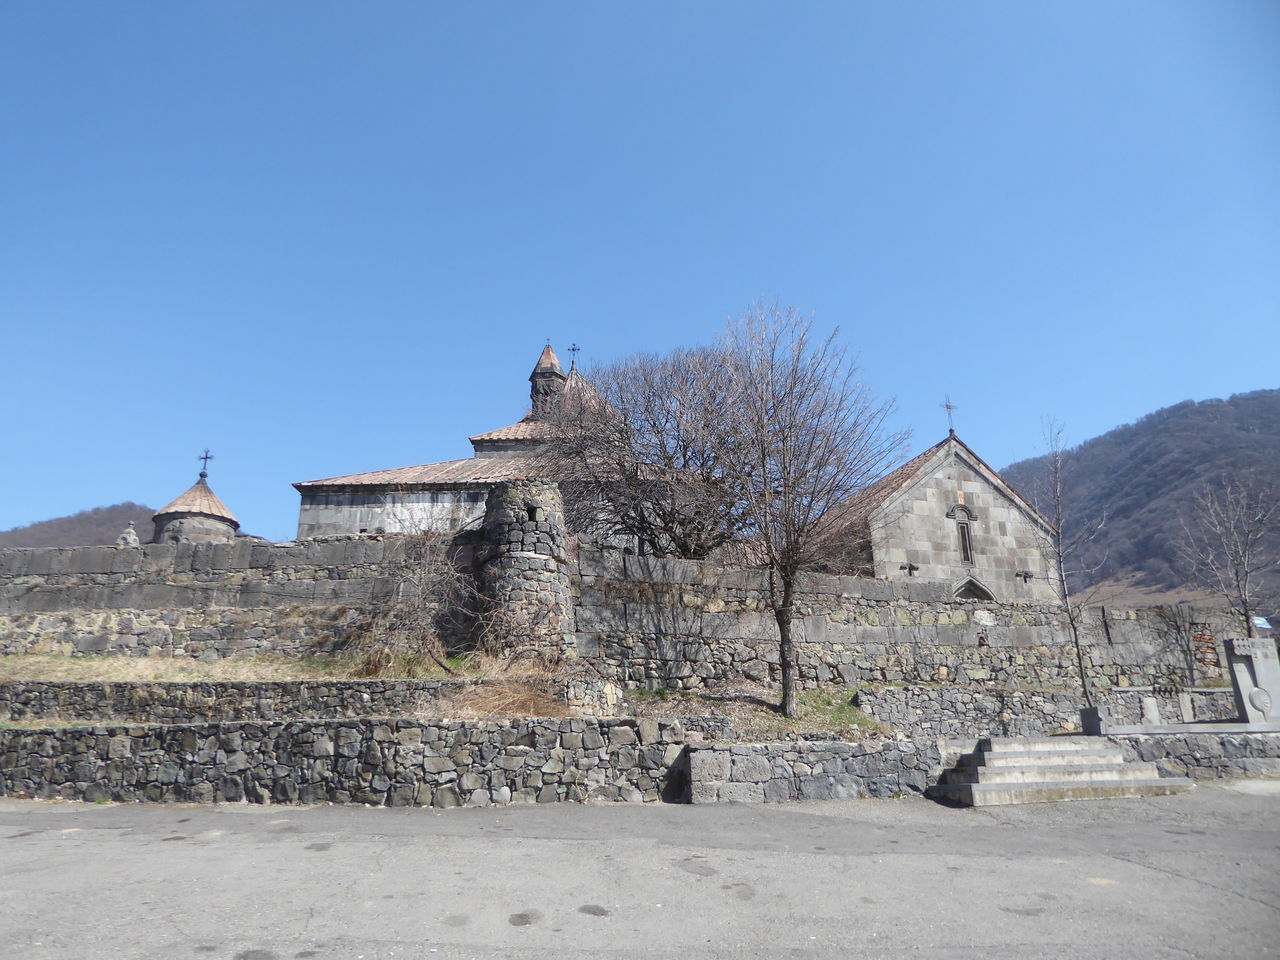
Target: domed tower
{"type": "Point", "coordinates": [197, 515]}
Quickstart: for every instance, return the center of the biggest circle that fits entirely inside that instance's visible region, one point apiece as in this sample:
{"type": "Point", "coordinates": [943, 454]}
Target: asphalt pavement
{"type": "Point", "coordinates": [1185, 876]}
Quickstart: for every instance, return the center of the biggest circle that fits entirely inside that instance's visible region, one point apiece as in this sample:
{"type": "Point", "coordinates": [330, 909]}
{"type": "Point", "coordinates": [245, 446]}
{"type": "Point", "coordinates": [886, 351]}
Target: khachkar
{"type": "Point", "coordinates": [522, 565]}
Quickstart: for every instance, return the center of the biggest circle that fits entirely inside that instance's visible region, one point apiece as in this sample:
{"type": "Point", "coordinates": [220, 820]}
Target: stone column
{"type": "Point", "coordinates": [523, 565]}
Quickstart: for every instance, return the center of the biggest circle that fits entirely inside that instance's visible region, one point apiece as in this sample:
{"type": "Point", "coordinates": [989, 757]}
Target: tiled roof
{"type": "Point", "coordinates": [526, 429]}
{"type": "Point", "coordinates": [473, 471]}
{"type": "Point", "coordinates": [548, 362]}
{"type": "Point", "coordinates": [200, 499]}
{"type": "Point", "coordinates": [884, 488]}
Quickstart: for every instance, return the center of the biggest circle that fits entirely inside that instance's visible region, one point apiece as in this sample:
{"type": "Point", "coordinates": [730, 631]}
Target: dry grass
{"type": "Point", "coordinates": [181, 669]}
{"type": "Point", "coordinates": [508, 688]}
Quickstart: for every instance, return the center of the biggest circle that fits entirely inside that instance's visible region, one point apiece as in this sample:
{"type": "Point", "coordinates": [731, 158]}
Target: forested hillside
{"type": "Point", "coordinates": [1140, 478]}
{"type": "Point", "coordinates": [87, 528]}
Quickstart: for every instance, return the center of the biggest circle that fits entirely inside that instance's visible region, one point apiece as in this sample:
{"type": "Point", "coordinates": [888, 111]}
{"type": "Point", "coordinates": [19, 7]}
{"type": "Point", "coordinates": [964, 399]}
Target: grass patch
{"type": "Point", "coordinates": [834, 710]}
{"type": "Point", "coordinates": [753, 709]}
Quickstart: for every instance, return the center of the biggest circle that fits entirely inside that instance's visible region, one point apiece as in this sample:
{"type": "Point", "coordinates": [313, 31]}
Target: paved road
{"type": "Point", "coordinates": [1189, 876]}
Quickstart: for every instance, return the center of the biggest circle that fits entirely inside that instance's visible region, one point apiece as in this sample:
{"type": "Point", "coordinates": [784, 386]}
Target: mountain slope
{"type": "Point", "coordinates": [1141, 478]}
{"type": "Point", "coordinates": [87, 528]}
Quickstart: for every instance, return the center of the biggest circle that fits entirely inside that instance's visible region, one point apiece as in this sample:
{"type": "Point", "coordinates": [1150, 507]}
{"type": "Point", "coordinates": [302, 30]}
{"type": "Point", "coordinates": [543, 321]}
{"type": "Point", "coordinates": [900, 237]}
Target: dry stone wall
{"type": "Point", "coordinates": [209, 701]}
{"type": "Point", "coordinates": [378, 762]}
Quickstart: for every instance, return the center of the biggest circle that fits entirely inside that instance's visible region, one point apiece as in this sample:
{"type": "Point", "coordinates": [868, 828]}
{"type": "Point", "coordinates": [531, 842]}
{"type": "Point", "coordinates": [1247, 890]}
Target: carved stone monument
{"type": "Point", "coordinates": [1255, 675]}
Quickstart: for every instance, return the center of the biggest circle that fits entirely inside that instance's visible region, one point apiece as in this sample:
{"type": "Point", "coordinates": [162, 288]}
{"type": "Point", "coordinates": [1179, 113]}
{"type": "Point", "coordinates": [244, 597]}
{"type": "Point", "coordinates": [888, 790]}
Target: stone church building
{"type": "Point", "coordinates": [945, 516]}
{"type": "Point", "coordinates": [440, 496]}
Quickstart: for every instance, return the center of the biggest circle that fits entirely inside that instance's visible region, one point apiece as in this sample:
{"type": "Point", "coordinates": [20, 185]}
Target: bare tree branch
{"type": "Point", "coordinates": [811, 437]}
{"type": "Point", "coordinates": [1230, 542]}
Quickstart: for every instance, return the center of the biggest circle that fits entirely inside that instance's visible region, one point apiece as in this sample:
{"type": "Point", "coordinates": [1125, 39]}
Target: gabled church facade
{"type": "Point", "coordinates": [947, 516]}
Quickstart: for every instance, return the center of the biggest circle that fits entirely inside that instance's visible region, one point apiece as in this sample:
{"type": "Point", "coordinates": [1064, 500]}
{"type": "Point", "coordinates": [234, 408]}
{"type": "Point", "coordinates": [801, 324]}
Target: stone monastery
{"type": "Point", "coordinates": [951, 638]}
{"type": "Point", "coordinates": [944, 517]}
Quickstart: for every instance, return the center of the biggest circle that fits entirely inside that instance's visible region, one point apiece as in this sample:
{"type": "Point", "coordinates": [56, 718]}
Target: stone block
{"type": "Point", "coordinates": [740, 793]}
{"type": "Point", "coordinates": [751, 769]}
{"type": "Point", "coordinates": [708, 765]}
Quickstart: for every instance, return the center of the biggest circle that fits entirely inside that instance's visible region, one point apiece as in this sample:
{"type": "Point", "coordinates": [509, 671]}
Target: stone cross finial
{"type": "Point", "coordinates": [129, 538]}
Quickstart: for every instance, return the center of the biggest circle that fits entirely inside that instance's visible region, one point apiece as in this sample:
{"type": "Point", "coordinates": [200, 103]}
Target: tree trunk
{"type": "Point", "coordinates": [1080, 663]}
{"type": "Point", "coordinates": [787, 651]}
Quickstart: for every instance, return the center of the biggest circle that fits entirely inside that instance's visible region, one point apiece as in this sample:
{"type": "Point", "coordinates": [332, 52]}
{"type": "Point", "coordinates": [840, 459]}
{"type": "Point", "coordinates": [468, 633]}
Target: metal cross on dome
{"type": "Point", "coordinates": [574, 349]}
{"type": "Point", "coordinates": [205, 458]}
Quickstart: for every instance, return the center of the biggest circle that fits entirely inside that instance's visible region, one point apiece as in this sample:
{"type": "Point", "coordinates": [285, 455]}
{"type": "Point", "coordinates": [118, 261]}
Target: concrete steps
{"type": "Point", "coordinates": [1045, 769]}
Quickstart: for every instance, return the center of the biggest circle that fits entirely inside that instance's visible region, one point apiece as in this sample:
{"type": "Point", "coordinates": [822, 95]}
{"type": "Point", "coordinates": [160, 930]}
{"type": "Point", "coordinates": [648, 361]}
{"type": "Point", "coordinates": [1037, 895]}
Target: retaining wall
{"type": "Point", "coordinates": [639, 621]}
{"type": "Point", "coordinates": [1206, 756]}
{"type": "Point", "coordinates": [206, 600]}
{"type": "Point", "coordinates": [380, 762]}
{"type": "Point", "coordinates": [946, 711]}
{"type": "Point", "coordinates": [210, 701]}
{"type": "Point", "coordinates": [480, 763]}
{"type": "Point", "coordinates": [685, 624]}
{"type": "Point", "coordinates": [823, 770]}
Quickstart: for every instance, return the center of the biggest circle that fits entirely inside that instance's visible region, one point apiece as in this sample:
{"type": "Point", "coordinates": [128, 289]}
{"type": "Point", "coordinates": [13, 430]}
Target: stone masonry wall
{"type": "Point", "coordinates": [210, 701]}
{"type": "Point", "coordinates": [638, 621]}
{"type": "Point", "coordinates": [379, 762]}
{"type": "Point", "coordinates": [482, 763]}
{"type": "Point", "coordinates": [1206, 756]}
{"type": "Point", "coordinates": [946, 711]}
{"type": "Point", "coordinates": [205, 600]}
{"type": "Point", "coordinates": [684, 624]}
{"type": "Point", "coordinates": [778, 772]}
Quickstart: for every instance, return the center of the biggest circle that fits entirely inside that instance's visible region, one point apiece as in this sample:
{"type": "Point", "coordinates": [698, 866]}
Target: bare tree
{"type": "Point", "coordinates": [1065, 545]}
{"type": "Point", "coordinates": [812, 437]}
{"type": "Point", "coordinates": [430, 614]}
{"type": "Point", "coordinates": [642, 453]}
{"type": "Point", "coordinates": [1231, 543]}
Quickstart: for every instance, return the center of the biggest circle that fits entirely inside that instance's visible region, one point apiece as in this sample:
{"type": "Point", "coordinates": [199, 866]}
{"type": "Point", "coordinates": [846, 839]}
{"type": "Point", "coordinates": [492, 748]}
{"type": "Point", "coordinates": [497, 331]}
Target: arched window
{"type": "Point", "coordinates": [964, 518]}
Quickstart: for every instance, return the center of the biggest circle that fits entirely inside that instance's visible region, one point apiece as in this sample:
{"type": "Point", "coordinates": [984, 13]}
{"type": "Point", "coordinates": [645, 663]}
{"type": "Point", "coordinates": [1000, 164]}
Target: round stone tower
{"type": "Point", "coordinates": [522, 563]}
{"type": "Point", "coordinates": [197, 515]}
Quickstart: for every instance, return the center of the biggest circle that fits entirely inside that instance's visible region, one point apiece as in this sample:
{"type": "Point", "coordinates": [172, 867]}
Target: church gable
{"type": "Point", "coordinates": [955, 520]}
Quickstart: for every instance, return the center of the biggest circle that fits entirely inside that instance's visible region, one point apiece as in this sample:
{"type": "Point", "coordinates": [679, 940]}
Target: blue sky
{"type": "Point", "coordinates": [323, 238]}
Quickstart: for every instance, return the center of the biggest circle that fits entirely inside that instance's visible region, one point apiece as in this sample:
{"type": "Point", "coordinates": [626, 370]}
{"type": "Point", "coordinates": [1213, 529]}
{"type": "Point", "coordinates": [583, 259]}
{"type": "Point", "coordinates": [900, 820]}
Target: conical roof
{"type": "Point", "coordinates": [200, 499]}
{"type": "Point", "coordinates": [548, 362]}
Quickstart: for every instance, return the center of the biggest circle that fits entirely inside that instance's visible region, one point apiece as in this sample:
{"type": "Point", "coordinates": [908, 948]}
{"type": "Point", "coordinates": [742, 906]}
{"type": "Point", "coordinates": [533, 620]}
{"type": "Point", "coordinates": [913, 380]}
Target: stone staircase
{"type": "Point", "coordinates": [1043, 769]}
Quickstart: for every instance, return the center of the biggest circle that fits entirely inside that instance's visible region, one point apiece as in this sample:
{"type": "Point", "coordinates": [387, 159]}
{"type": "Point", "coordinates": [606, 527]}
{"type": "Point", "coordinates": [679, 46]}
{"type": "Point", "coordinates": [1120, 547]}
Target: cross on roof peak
{"type": "Point", "coordinates": [204, 458]}
{"type": "Point", "coordinates": [950, 408]}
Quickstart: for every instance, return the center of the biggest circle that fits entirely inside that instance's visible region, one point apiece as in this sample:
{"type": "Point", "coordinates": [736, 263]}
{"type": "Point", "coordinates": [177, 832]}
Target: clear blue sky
{"type": "Point", "coordinates": [323, 238]}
